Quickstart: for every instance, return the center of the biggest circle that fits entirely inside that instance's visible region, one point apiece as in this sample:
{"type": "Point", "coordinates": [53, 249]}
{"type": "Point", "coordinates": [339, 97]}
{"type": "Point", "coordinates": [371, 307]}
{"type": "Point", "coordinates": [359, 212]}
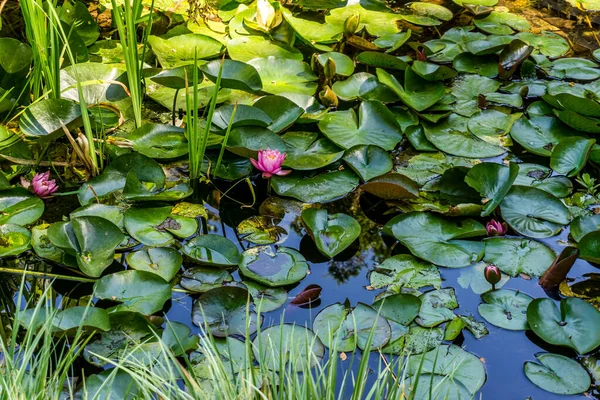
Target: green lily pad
{"type": "Point", "coordinates": [492, 126]}
{"type": "Point", "coordinates": [203, 279]}
{"type": "Point", "coordinates": [533, 212]}
{"type": "Point", "coordinates": [138, 291]}
{"type": "Point", "coordinates": [589, 246]}
{"type": "Point", "coordinates": [484, 65]}
{"type": "Point", "coordinates": [16, 55]}
{"type": "Point", "coordinates": [436, 307]}
{"type": "Point", "coordinates": [306, 151]}
{"type": "Point", "coordinates": [344, 66]}
{"type": "Point", "coordinates": [45, 119]}
{"type": "Point", "coordinates": [175, 78]}
{"type": "Point", "coordinates": [363, 86]}
{"type": "Point", "coordinates": [317, 189]}
{"type": "Point", "coordinates": [92, 240]}
{"type": "Point", "coordinates": [419, 340]}
{"type": "Point", "coordinates": [376, 23]}
{"type": "Point", "coordinates": [404, 271]}
{"type": "Point", "coordinates": [452, 136]}
{"type": "Point", "coordinates": [492, 181]}
{"type": "Point", "coordinates": [375, 125]}
{"type": "Point", "coordinates": [540, 134]}
{"type": "Point", "coordinates": [234, 74]}
{"type": "Point", "coordinates": [392, 186]}
{"type": "Point", "coordinates": [570, 326]}
{"type": "Point", "coordinates": [432, 71]}
{"type": "Point", "coordinates": [111, 384]}
{"type": "Point", "coordinates": [540, 177]}
{"type": "Point", "coordinates": [288, 348]}
{"type": "Point", "coordinates": [447, 372]}
{"type": "Point", "coordinates": [399, 308]}
{"type": "Point", "coordinates": [571, 154]}
{"type": "Point", "coordinates": [223, 311]}
{"type": "Point", "coordinates": [502, 23]}
{"type": "Point", "coordinates": [547, 43]}
{"type": "Point", "coordinates": [18, 206]}
{"type": "Point", "coordinates": [280, 75]}
{"type": "Point", "coordinates": [273, 267]}
{"type": "Point", "coordinates": [467, 89]}
{"type": "Point", "coordinates": [312, 31]}
{"type": "Point", "coordinates": [114, 214]}
{"type": "Point", "coordinates": [266, 298]}
{"type": "Point", "coordinates": [515, 256]}
{"type": "Point", "coordinates": [438, 240]}
{"type": "Point", "coordinates": [578, 121]}
{"type": "Point", "coordinates": [425, 167]}
{"type": "Point", "coordinates": [247, 141]}
{"type": "Point", "coordinates": [159, 141]}
{"type": "Point", "coordinates": [162, 261]}
{"type": "Point", "coordinates": [180, 50]}
{"type": "Point", "coordinates": [583, 225]}
{"type": "Point", "coordinates": [381, 60]}
{"type": "Point", "coordinates": [247, 48]}
{"type": "Point", "coordinates": [417, 93]}
{"type": "Point", "coordinates": [100, 83]}
{"type": "Point", "coordinates": [14, 239]}
{"type": "Point", "coordinates": [282, 111]}
{"type": "Point", "coordinates": [557, 374]}
{"type": "Point", "coordinates": [368, 161]}
{"type": "Point", "coordinates": [244, 116]}
{"type": "Point", "coordinates": [332, 233]}
{"type": "Point", "coordinates": [260, 229]}
{"type": "Point", "coordinates": [344, 328]}
{"type": "Point", "coordinates": [506, 309]}
{"type": "Point", "coordinates": [156, 226]}
{"type": "Point", "coordinates": [212, 250]}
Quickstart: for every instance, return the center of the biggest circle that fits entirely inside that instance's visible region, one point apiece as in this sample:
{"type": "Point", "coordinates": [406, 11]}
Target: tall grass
{"type": "Point", "coordinates": [197, 141]}
{"type": "Point", "coordinates": [127, 19]}
{"type": "Point", "coordinates": [47, 49]}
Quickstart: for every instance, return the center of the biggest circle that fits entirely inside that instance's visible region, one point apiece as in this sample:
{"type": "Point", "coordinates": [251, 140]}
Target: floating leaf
{"type": "Point", "coordinates": [516, 256]}
{"type": "Point", "coordinates": [162, 261]}
{"type": "Point", "coordinates": [180, 50]}
{"type": "Point", "coordinates": [557, 374]}
{"type": "Point", "coordinates": [271, 267]}
{"type": "Point", "coordinates": [223, 311]}
{"type": "Point", "coordinates": [332, 233]}
{"type": "Point", "coordinates": [306, 151]}
{"type": "Point", "coordinates": [260, 229]}
{"type": "Point", "coordinates": [436, 307]}
{"type": "Point", "coordinates": [212, 250]}
{"type": "Point", "coordinates": [138, 291]}
{"type": "Point", "coordinates": [392, 186]}
{"type": "Point", "coordinates": [280, 75]}
{"type": "Point", "coordinates": [19, 206]}
{"type": "Point", "coordinates": [203, 279]}
{"type": "Point", "coordinates": [45, 119]}
{"type": "Point", "coordinates": [14, 239]}
{"type": "Point", "coordinates": [266, 298]}
{"type": "Point", "coordinates": [159, 141]}
{"type": "Point", "coordinates": [404, 271]}
{"type": "Point", "coordinates": [506, 309]}
{"type": "Point", "coordinates": [438, 240]}
{"type": "Point", "coordinates": [156, 226]}
{"type": "Point", "coordinates": [492, 181]}
{"type": "Point", "coordinates": [570, 326]}
{"type": "Point", "coordinates": [474, 277]}
{"type": "Point", "coordinates": [344, 328]}
{"type": "Point", "coordinates": [234, 74]}
{"type": "Point", "coordinates": [571, 154]}
{"type": "Point", "coordinates": [318, 189]}
{"type": "Point", "coordinates": [368, 161]}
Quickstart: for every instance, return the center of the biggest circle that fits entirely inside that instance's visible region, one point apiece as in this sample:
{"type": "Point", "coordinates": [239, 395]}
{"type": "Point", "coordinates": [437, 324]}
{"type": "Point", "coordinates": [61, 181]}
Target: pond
{"type": "Point", "coordinates": [303, 199]}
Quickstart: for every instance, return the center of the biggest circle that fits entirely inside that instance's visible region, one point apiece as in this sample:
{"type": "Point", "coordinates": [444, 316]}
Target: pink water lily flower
{"type": "Point", "coordinates": [495, 228]}
{"type": "Point", "coordinates": [269, 162]}
{"type": "Point", "coordinates": [41, 185]}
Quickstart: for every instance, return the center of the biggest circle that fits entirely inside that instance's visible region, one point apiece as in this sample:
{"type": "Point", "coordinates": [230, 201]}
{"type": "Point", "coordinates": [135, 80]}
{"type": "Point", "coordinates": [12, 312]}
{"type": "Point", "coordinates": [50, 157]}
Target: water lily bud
{"type": "Point", "coordinates": [492, 275]}
{"type": "Point", "coordinates": [265, 14]}
{"type": "Point", "coordinates": [351, 25]}
{"type": "Point", "coordinates": [327, 97]}
{"type": "Point", "coordinates": [329, 68]}
{"type": "Point", "coordinates": [495, 228]}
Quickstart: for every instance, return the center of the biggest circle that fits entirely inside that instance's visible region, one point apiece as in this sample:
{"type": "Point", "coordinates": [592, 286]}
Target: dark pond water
{"type": "Point", "coordinates": [504, 352]}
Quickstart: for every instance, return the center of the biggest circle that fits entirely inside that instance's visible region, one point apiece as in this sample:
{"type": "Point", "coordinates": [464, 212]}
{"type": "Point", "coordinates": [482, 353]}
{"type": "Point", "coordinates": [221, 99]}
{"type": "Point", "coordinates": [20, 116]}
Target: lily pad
{"type": "Point", "coordinates": [533, 212]}
{"type": "Point", "coordinates": [557, 374]}
{"type": "Point", "coordinates": [506, 309]}
{"type": "Point", "coordinates": [234, 74]}
{"type": "Point", "coordinates": [19, 206]}
{"type": "Point", "coordinates": [212, 250]}
{"type": "Point", "coordinates": [417, 93]}
{"type": "Point", "coordinates": [570, 326]}
{"type": "Point", "coordinates": [92, 240]}
{"type": "Point", "coordinates": [436, 307]}
{"type": "Point", "coordinates": [540, 177]}
{"type": "Point", "coordinates": [288, 348]}
{"type": "Point", "coordinates": [224, 311]}
{"type": "Point", "coordinates": [306, 151]}
{"type": "Point", "coordinates": [162, 261]}
{"type": "Point", "coordinates": [571, 154]}
{"type": "Point", "coordinates": [344, 328]}
{"type": "Point", "coordinates": [180, 50]}
{"type": "Point", "coordinates": [447, 372]}
{"type": "Point", "coordinates": [138, 291]}
{"type": "Point", "coordinates": [260, 229]}
{"type": "Point", "coordinates": [344, 66]}
{"type": "Point", "coordinates": [159, 141]}
{"type": "Point", "coordinates": [14, 239]}
{"type": "Point", "coordinates": [203, 279]}
{"type": "Point", "coordinates": [247, 48]}
{"type": "Point", "coordinates": [404, 271]}
{"type": "Point", "coordinates": [492, 181]}
{"type": "Point", "coordinates": [438, 240]}
{"type": "Point", "coordinates": [280, 75]}
{"type": "Point", "coordinates": [266, 298]}
{"type": "Point", "coordinates": [453, 137]}
{"type": "Point", "coordinates": [273, 267]}
{"type": "Point", "coordinates": [540, 134]}
{"type": "Point", "coordinates": [317, 189]}
{"type": "Point", "coordinates": [516, 256]}
{"type": "Point", "coordinates": [474, 277]}
{"type": "Point", "coordinates": [374, 125]}
{"type": "Point", "coordinates": [392, 186]}
{"type": "Point", "coordinates": [368, 161]}
{"type": "Point", "coordinates": [156, 226]}
{"type": "Point", "coordinates": [400, 308]}
{"type": "Point", "coordinates": [332, 233]}
{"type": "Point", "coordinates": [45, 119]}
